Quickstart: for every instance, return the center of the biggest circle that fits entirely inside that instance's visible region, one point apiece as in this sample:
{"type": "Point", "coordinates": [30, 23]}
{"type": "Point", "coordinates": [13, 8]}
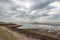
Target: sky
{"type": "Point", "coordinates": [30, 10]}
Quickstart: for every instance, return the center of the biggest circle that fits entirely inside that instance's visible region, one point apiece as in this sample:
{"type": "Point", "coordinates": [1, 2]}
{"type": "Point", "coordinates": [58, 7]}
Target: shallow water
{"type": "Point", "coordinates": [38, 26]}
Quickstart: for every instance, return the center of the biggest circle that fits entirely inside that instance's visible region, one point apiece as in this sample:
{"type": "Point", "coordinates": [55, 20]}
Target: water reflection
{"type": "Point", "coordinates": [36, 26]}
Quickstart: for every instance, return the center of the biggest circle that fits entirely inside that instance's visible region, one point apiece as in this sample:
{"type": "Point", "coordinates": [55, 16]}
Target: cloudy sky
{"type": "Point", "coordinates": [30, 10]}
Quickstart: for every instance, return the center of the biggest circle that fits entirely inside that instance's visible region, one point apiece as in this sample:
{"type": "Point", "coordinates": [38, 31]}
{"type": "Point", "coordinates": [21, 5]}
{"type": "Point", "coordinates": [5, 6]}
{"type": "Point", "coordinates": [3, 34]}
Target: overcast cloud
{"type": "Point", "coordinates": [30, 10]}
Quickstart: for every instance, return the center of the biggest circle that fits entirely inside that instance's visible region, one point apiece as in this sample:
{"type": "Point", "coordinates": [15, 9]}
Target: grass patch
{"type": "Point", "coordinates": [5, 35]}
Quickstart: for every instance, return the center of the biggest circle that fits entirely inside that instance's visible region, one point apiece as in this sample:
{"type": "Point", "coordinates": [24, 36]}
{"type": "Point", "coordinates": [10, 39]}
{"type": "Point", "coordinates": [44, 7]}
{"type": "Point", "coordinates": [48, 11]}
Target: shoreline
{"type": "Point", "coordinates": [29, 33]}
{"type": "Point", "coordinates": [19, 36]}
{"type": "Point", "coordinates": [32, 34]}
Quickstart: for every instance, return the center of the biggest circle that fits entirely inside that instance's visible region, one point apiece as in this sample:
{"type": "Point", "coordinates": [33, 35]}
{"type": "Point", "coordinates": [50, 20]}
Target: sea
{"type": "Point", "coordinates": [38, 26]}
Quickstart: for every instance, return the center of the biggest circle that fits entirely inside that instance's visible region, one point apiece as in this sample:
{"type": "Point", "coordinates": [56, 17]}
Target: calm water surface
{"type": "Point", "coordinates": [38, 26]}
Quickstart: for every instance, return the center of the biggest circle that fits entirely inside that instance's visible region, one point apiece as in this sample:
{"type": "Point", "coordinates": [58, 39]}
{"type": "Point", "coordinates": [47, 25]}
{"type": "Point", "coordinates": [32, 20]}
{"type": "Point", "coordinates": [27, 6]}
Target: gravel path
{"type": "Point", "coordinates": [18, 35]}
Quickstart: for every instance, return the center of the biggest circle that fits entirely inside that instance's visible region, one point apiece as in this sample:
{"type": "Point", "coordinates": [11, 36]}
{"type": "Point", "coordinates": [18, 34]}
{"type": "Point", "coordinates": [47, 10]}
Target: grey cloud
{"type": "Point", "coordinates": [13, 8]}
{"type": "Point", "coordinates": [39, 4]}
{"type": "Point", "coordinates": [39, 15]}
{"type": "Point", "coordinates": [4, 1]}
{"type": "Point", "coordinates": [1, 10]}
{"type": "Point", "coordinates": [49, 7]}
{"type": "Point", "coordinates": [55, 17]}
{"type": "Point", "coordinates": [22, 0]}
{"type": "Point", "coordinates": [22, 14]}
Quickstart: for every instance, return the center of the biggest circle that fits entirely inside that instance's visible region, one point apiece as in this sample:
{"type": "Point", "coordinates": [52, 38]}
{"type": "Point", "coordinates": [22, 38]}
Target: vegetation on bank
{"type": "Point", "coordinates": [34, 34]}
{"type": "Point", "coordinates": [5, 35]}
{"type": "Point", "coordinates": [29, 33]}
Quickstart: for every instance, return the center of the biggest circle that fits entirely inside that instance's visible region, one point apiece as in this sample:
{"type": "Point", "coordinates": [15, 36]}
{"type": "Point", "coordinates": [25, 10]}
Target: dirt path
{"type": "Point", "coordinates": [18, 35]}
